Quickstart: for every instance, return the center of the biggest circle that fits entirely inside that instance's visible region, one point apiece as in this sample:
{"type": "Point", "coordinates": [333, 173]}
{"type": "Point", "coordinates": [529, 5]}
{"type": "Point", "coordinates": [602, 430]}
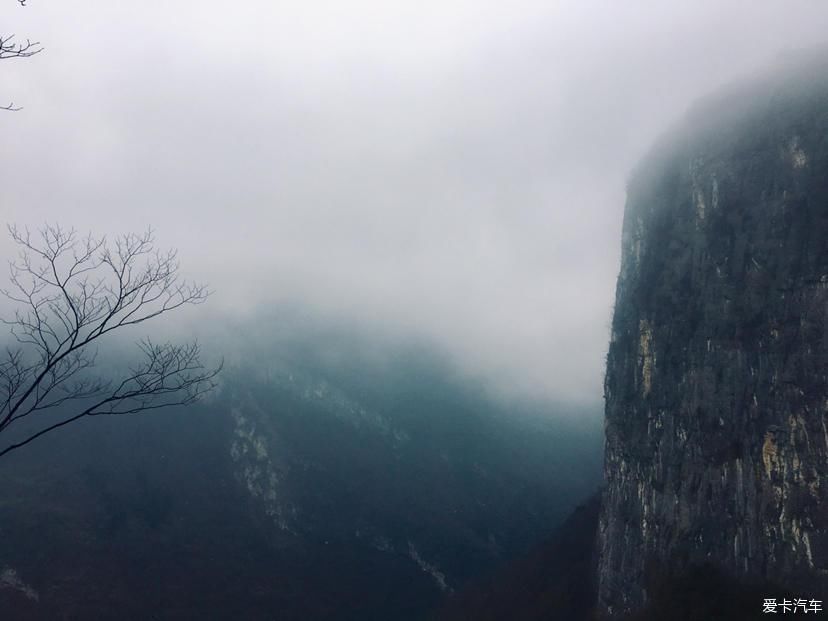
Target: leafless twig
{"type": "Point", "coordinates": [72, 291]}
{"type": "Point", "coordinates": [9, 48]}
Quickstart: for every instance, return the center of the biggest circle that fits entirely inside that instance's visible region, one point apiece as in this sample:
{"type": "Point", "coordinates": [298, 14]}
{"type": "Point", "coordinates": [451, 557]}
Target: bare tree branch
{"type": "Point", "coordinates": [9, 48]}
{"type": "Point", "coordinates": [71, 291]}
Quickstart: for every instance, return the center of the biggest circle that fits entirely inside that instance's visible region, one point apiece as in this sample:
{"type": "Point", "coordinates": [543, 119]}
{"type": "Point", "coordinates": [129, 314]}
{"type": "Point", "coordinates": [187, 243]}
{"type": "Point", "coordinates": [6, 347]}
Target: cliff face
{"type": "Point", "coordinates": [717, 373]}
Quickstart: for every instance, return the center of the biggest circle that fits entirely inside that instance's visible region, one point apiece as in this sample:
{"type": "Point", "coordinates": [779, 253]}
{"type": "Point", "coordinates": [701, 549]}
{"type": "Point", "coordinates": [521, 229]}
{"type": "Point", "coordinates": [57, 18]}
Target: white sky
{"type": "Point", "coordinates": [454, 170]}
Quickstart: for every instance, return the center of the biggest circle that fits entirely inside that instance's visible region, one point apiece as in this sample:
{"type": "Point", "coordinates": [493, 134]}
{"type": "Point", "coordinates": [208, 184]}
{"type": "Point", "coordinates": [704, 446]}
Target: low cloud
{"type": "Point", "coordinates": [450, 170]}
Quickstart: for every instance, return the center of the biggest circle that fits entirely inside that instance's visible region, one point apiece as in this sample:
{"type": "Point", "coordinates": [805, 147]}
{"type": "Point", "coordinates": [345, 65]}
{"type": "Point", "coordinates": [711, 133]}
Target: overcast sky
{"type": "Point", "coordinates": [454, 170]}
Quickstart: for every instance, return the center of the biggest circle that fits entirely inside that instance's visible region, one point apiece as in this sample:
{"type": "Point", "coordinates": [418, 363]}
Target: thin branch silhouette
{"type": "Point", "coordinates": [9, 48]}
{"type": "Point", "coordinates": [71, 292]}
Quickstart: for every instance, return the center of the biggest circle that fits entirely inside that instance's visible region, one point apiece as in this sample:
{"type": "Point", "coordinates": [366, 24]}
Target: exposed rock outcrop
{"type": "Point", "coordinates": [717, 373]}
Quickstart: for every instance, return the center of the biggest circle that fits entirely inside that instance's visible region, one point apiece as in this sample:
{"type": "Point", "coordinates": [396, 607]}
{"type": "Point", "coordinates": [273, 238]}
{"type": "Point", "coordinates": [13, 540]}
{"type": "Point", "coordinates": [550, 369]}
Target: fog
{"type": "Point", "coordinates": [452, 171]}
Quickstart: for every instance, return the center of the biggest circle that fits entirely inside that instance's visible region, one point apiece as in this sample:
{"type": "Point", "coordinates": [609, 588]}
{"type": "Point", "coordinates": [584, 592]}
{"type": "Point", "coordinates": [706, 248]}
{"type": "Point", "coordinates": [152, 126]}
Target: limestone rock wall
{"type": "Point", "coordinates": [717, 372]}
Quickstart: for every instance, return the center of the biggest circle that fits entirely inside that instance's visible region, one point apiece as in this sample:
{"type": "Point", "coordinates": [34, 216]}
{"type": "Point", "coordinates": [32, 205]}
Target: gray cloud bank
{"type": "Point", "coordinates": [449, 169]}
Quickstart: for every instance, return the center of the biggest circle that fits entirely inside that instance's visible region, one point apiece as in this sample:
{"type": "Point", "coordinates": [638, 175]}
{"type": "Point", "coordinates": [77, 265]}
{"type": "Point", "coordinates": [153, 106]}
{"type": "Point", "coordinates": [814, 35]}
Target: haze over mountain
{"type": "Point", "coordinates": [713, 505]}
{"type": "Point", "coordinates": [331, 477]}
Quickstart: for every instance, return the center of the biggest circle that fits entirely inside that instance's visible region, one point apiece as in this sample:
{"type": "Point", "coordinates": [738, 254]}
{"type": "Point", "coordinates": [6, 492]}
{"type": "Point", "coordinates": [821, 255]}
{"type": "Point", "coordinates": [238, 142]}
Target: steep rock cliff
{"type": "Point", "coordinates": [717, 373]}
